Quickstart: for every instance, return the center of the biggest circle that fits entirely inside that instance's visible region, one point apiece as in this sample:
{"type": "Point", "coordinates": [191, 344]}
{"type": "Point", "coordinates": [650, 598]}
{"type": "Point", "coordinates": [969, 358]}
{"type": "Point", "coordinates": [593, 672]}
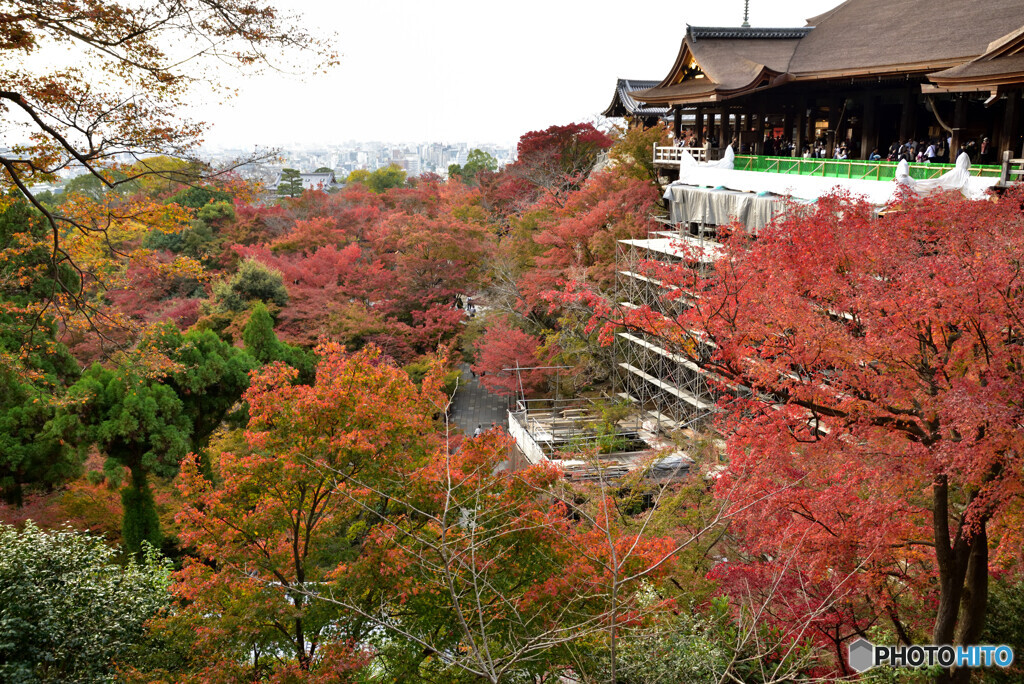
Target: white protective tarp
{"type": "Point", "coordinates": [688, 204]}
{"type": "Point", "coordinates": [716, 194]}
{"type": "Point", "coordinates": [880, 193]}
{"type": "Point", "coordinates": [688, 161]}
{"type": "Point", "coordinates": [957, 178]}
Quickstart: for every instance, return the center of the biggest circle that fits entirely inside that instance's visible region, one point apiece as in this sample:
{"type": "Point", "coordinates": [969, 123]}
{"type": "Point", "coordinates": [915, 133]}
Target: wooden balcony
{"type": "Point", "coordinates": [671, 155]}
{"type": "Point", "coordinates": [1012, 170]}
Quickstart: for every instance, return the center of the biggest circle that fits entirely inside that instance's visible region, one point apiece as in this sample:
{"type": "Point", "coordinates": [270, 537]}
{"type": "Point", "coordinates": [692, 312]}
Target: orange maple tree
{"type": "Point", "coordinates": [288, 506]}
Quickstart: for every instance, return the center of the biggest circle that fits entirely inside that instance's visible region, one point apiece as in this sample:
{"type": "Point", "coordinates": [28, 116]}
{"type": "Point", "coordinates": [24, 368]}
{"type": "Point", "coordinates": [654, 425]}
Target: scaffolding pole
{"type": "Point", "coordinates": [660, 376]}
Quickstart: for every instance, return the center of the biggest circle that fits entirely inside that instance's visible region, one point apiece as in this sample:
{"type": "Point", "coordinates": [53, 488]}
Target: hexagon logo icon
{"type": "Point", "coordinates": [862, 655]}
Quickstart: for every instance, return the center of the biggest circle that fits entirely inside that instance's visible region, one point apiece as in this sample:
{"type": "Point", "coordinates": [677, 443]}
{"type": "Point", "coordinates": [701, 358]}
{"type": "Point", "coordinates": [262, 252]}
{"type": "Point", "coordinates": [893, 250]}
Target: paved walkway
{"type": "Point", "coordinates": [474, 406]}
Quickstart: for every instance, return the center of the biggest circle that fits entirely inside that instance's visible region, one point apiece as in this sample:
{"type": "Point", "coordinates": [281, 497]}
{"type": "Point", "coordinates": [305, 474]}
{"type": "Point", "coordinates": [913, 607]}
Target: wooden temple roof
{"type": "Point", "coordinates": [730, 61]}
{"type": "Point", "coordinates": [960, 44]}
{"type": "Point", "coordinates": [1001, 65]}
{"type": "Point", "coordinates": [623, 103]}
{"type": "Point", "coordinates": [983, 75]}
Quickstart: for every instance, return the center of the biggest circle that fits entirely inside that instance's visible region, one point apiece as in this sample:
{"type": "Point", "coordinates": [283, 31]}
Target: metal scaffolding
{"type": "Point", "coordinates": [663, 382]}
{"type": "Point", "coordinates": [587, 444]}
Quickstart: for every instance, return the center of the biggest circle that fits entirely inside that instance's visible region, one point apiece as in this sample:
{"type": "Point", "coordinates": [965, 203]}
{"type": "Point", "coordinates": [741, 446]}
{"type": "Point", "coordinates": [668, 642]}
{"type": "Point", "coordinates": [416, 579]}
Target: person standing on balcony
{"type": "Point", "coordinates": [906, 152]}
{"type": "Point", "coordinates": [931, 154]}
{"type": "Point", "coordinates": [894, 151]}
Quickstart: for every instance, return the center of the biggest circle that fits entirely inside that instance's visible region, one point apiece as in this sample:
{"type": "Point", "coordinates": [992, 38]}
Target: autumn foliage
{"type": "Point", "coordinates": [268, 405]}
{"type": "Point", "coordinates": [500, 351]}
{"type": "Point", "coordinates": [881, 357]}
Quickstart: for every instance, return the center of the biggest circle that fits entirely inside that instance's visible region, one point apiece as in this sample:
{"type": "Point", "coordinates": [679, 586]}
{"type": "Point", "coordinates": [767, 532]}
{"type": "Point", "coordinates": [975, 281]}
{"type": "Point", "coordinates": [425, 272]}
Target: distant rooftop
{"type": "Point", "coordinates": [623, 103]}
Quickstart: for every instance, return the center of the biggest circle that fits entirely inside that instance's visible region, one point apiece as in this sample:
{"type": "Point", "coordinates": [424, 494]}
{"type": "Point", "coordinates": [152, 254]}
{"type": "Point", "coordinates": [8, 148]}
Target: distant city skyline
{"type": "Point", "coordinates": [343, 158]}
{"type": "Point", "coordinates": [453, 71]}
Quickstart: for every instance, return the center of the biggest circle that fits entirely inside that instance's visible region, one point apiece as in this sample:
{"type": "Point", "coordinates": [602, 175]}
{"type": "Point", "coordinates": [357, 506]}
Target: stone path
{"type": "Point", "coordinates": [474, 406]}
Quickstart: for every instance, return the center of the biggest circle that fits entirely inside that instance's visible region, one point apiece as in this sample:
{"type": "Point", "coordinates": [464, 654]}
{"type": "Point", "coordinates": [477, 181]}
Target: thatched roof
{"type": "Point", "coordinates": [859, 38]}
{"type": "Point", "coordinates": [731, 61]}
{"type": "Point", "coordinates": [1004, 70]}
{"type": "Point", "coordinates": [1001, 65]}
{"type": "Point", "coordinates": [901, 36]}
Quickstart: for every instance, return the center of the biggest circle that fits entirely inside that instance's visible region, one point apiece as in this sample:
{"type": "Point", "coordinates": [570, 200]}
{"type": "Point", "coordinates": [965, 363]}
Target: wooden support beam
{"type": "Point", "coordinates": [699, 123]}
{"type": "Point", "coordinates": [811, 122]}
{"type": "Point", "coordinates": [677, 121]}
{"type": "Point", "coordinates": [833, 124]}
{"type": "Point", "coordinates": [959, 128]}
{"type": "Point", "coordinates": [1010, 130]}
{"type": "Point", "coordinates": [726, 138]}
{"type": "Point", "coordinates": [759, 131]}
{"type": "Point", "coordinates": [869, 128]}
{"type": "Point", "coordinates": [787, 124]}
{"type": "Point", "coordinates": [908, 116]}
{"type": "Point", "coordinates": [801, 129]}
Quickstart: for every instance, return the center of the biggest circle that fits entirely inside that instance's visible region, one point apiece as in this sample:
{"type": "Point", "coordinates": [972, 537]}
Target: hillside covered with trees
{"type": "Point", "coordinates": [226, 450]}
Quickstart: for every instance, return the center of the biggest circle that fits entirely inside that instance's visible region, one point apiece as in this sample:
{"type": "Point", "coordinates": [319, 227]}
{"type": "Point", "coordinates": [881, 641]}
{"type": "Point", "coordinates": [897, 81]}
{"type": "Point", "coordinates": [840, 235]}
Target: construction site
{"type": "Point", "coordinates": [590, 442]}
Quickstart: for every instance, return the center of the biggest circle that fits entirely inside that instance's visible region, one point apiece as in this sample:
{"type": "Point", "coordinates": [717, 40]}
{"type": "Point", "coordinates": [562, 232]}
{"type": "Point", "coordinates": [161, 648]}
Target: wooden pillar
{"type": "Point", "coordinates": [677, 121]}
{"type": "Point", "coordinates": [959, 128]}
{"type": "Point", "coordinates": [759, 133]}
{"type": "Point", "coordinates": [869, 129]}
{"type": "Point", "coordinates": [787, 123]}
{"type": "Point", "coordinates": [1011, 126]}
{"type": "Point", "coordinates": [833, 124]}
{"type": "Point", "coordinates": [801, 129]}
{"type": "Point", "coordinates": [699, 123]}
{"type": "Point", "coordinates": [812, 120]}
{"type": "Point", "coordinates": [908, 117]}
{"type": "Point", "coordinates": [726, 137]}
{"type": "Point", "coordinates": [711, 125]}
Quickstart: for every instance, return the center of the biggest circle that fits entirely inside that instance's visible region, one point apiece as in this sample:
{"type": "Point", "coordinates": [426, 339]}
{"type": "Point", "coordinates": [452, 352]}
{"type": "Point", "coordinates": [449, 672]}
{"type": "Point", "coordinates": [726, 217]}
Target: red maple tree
{"type": "Point", "coordinates": [502, 348]}
{"type": "Point", "coordinates": [874, 369]}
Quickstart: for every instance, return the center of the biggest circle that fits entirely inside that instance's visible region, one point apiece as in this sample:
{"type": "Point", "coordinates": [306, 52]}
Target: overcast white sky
{"type": "Point", "coordinates": [470, 70]}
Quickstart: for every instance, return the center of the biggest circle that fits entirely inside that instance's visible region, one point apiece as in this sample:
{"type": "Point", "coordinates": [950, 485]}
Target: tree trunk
{"type": "Point", "coordinates": [12, 494]}
{"type": "Point", "coordinates": [951, 558]}
{"type": "Point", "coordinates": [974, 602]}
{"type": "Point", "coordinates": [140, 521]}
{"type": "Point", "coordinates": [963, 580]}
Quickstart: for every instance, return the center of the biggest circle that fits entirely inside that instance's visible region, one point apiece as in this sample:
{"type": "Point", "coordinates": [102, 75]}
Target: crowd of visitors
{"type": "Point", "coordinates": [927, 151]}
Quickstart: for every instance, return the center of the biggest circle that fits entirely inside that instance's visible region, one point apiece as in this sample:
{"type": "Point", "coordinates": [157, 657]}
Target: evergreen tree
{"type": "Point", "coordinates": [252, 282]}
{"type": "Point", "coordinates": [262, 343]}
{"type": "Point", "coordinates": [150, 410]}
{"type": "Point", "coordinates": [210, 380]}
{"type": "Point", "coordinates": [290, 184]}
{"type": "Point", "coordinates": [476, 161]}
{"type": "Point", "coordinates": [34, 367]}
{"type": "Point", "coordinates": [197, 198]}
{"type": "Point", "coordinates": [28, 455]}
{"type": "Point", "coordinates": [139, 423]}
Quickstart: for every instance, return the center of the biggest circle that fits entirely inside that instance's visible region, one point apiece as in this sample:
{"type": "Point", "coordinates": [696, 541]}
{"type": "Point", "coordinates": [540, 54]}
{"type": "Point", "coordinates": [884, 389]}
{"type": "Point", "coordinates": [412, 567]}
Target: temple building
{"type": "Point", "coordinates": [623, 105]}
{"type": "Point", "coordinates": [785, 116]}
{"type": "Point", "coordinates": [865, 75]}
